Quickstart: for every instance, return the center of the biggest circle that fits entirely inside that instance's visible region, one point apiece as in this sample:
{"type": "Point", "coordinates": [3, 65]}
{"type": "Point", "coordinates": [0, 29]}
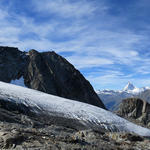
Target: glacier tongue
{"type": "Point", "coordinates": [54, 105]}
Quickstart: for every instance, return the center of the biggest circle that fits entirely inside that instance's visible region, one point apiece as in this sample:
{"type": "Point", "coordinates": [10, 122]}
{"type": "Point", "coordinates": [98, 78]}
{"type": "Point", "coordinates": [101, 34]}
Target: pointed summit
{"type": "Point", "coordinates": [129, 86]}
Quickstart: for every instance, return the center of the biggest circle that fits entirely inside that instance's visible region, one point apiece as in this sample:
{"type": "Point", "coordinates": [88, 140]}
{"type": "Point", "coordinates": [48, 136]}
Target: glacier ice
{"type": "Point", "coordinates": [69, 109]}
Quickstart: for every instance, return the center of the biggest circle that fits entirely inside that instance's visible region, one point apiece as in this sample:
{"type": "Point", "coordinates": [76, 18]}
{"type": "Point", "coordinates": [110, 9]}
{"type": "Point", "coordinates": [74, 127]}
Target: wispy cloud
{"type": "Point", "coordinates": [65, 8]}
{"type": "Point", "coordinates": [89, 61]}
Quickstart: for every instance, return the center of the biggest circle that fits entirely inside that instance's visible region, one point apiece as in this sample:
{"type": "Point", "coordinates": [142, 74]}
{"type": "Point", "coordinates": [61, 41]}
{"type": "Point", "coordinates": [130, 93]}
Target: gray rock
{"type": "Point", "coordinates": [64, 138]}
{"type": "Point", "coordinates": [135, 109]}
{"type": "Point", "coordinates": [20, 133]}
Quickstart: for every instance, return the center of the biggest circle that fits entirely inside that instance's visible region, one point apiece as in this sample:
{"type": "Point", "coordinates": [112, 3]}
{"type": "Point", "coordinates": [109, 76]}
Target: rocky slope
{"type": "Point", "coordinates": [47, 72]}
{"type": "Point", "coordinates": [136, 110]}
{"type": "Point", "coordinates": [52, 137]}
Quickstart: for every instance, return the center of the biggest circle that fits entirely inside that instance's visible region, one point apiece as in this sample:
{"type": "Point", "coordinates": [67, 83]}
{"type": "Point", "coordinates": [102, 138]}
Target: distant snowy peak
{"type": "Point", "coordinates": [112, 98]}
{"type": "Point", "coordinates": [129, 86]}
{"type": "Point", "coordinates": [146, 88]}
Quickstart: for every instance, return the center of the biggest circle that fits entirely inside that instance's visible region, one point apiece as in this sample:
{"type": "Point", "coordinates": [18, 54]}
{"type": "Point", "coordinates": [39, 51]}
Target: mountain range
{"type": "Point", "coordinates": [112, 98]}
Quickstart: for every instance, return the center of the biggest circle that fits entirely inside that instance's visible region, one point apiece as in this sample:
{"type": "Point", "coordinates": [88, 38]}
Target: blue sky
{"type": "Point", "coordinates": [107, 40]}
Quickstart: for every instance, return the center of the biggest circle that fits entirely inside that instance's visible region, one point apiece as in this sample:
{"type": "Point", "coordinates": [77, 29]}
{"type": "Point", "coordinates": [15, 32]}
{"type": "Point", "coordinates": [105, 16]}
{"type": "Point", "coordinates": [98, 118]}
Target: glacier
{"type": "Point", "coordinates": [53, 105]}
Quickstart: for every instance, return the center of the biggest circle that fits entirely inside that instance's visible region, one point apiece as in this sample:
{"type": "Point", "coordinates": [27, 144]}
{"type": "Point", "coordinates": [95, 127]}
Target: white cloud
{"type": "Point", "coordinates": [66, 8]}
{"type": "Point", "coordinates": [115, 80]}
{"type": "Point", "coordinates": [108, 81]}
{"type": "Point", "coordinates": [88, 61]}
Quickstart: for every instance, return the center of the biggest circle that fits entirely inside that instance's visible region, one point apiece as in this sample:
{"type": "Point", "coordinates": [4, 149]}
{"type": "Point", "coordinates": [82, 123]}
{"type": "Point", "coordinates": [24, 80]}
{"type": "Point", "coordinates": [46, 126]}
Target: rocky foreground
{"type": "Point", "coordinates": [18, 131]}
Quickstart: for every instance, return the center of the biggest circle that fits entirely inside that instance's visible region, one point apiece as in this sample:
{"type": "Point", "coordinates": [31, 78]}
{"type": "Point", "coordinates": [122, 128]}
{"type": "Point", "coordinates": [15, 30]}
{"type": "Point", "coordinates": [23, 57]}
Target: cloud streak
{"type": "Point", "coordinates": [64, 8]}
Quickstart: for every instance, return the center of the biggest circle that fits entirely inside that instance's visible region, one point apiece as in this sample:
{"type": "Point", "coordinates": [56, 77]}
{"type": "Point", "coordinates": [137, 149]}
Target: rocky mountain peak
{"type": "Point", "coordinates": [32, 52]}
{"type": "Point", "coordinates": [129, 86]}
{"type": "Point", "coordinates": [47, 72]}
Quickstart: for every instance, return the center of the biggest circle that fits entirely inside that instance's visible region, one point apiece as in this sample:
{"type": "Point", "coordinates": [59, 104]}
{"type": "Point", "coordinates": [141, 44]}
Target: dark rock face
{"type": "Point", "coordinates": [47, 72]}
{"type": "Point", "coordinates": [135, 108]}
{"type": "Point", "coordinates": [12, 62]}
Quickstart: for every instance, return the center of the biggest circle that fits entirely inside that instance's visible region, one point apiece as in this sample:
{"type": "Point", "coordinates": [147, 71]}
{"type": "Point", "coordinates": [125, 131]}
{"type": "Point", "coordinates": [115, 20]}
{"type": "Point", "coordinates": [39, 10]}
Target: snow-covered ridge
{"type": "Point", "coordinates": [69, 109]}
{"type": "Point", "coordinates": [129, 88]}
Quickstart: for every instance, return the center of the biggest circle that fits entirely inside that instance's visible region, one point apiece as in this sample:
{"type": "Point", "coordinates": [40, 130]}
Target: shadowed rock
{"type": "Point", "coordinates": [135, 108]}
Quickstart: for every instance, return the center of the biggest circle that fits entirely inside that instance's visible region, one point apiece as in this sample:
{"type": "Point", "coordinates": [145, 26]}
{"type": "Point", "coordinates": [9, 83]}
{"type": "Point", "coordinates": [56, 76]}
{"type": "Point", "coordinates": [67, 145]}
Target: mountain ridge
{"type": "Point", "coordinates": [112, 98]}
